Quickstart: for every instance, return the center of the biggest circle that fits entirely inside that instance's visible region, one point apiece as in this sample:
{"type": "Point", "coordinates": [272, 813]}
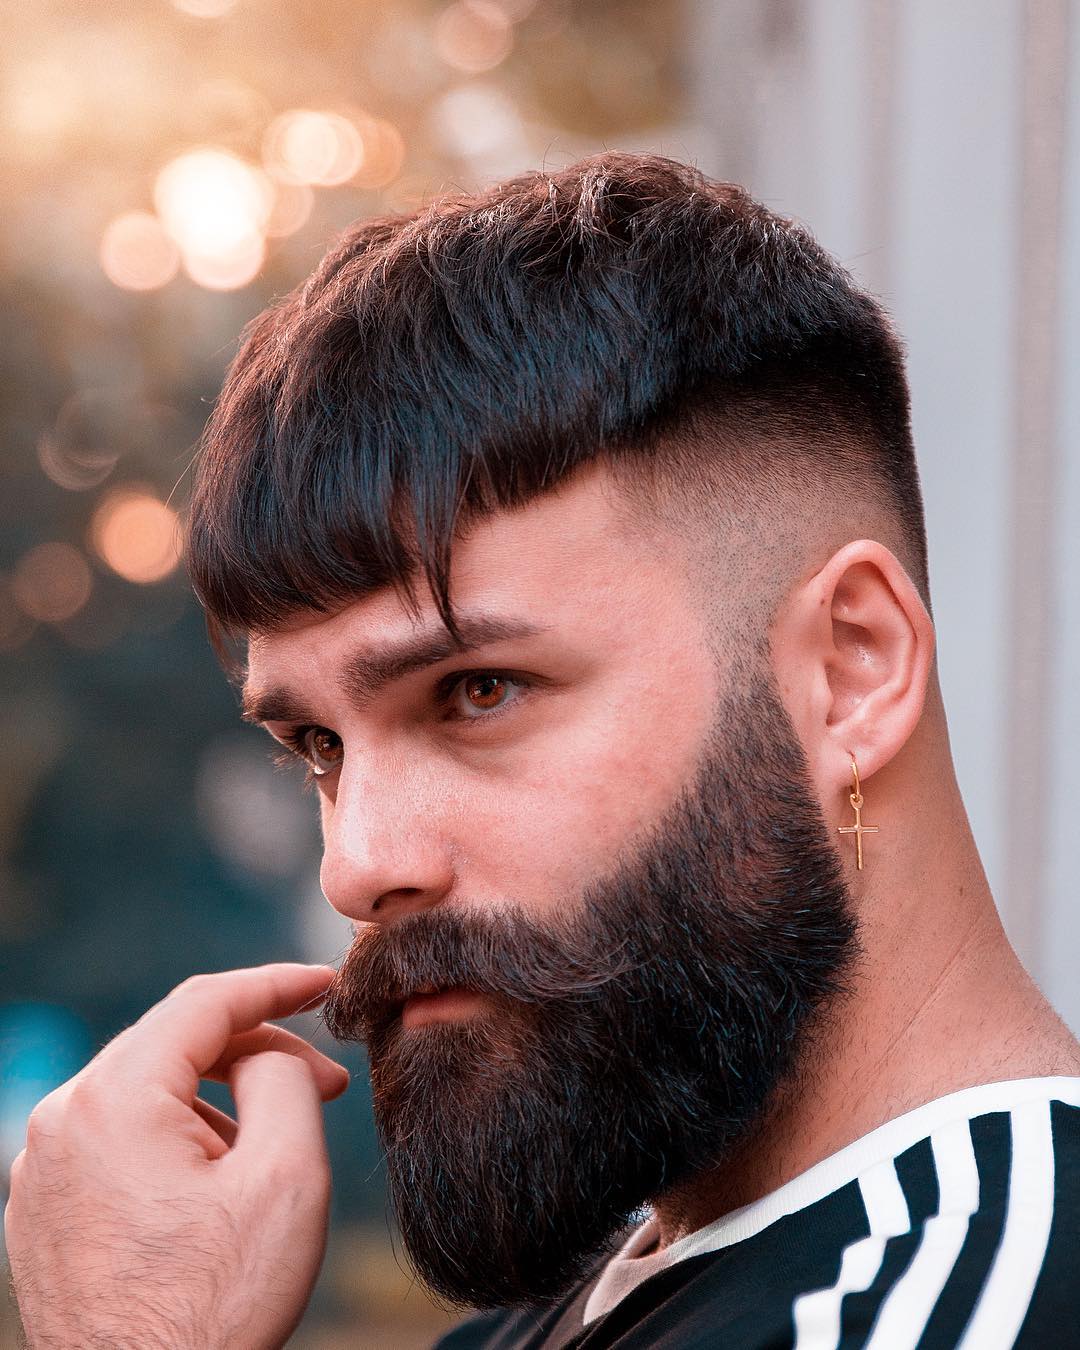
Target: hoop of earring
{"type": "Point", "coordinates": [858, 829]}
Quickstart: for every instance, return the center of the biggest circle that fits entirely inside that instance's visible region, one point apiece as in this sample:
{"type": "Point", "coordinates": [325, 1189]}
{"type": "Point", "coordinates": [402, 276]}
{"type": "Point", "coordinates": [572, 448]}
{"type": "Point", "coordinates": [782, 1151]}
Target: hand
{"type": "Point", "coordinates": [140, 1216]}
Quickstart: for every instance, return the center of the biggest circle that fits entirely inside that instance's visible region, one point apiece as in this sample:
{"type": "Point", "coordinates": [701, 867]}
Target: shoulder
{"type": "Point", "coordinates": [990, 1254]}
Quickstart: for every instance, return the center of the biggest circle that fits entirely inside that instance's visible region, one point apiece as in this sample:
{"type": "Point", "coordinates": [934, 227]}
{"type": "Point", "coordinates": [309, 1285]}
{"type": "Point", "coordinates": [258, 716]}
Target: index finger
{"type": "Point", "coordinates": [188, 1031]}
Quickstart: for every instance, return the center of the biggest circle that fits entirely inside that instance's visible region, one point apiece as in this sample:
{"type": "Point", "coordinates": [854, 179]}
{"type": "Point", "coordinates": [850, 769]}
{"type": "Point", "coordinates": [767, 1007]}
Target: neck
{"type": "Point", "coordinates": [941, 1003]}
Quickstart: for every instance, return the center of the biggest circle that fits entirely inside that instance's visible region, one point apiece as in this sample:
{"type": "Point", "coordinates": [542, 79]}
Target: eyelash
{"type": "Point", "coordinates": [295, 737]}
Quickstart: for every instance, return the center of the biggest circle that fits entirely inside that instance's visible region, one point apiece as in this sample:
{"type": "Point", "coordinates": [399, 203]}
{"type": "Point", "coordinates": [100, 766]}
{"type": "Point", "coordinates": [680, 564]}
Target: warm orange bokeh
{"type": "Point", "coordinates": [52, 582]}
{"type": "Point", "coordinates": [136, 535]}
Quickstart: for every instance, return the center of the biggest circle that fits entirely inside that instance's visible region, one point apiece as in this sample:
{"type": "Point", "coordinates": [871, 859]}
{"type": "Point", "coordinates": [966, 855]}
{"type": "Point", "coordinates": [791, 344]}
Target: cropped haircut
{"type": "Point", "coordinates": [465, 358]}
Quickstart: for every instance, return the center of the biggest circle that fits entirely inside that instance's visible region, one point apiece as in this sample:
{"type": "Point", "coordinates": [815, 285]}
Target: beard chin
{"type": "Point", "coordinates": [623, 1047]}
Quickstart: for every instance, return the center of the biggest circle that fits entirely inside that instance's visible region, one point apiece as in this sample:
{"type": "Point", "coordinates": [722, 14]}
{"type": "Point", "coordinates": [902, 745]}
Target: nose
{"type": "Point", "coordinates": [383, 853]}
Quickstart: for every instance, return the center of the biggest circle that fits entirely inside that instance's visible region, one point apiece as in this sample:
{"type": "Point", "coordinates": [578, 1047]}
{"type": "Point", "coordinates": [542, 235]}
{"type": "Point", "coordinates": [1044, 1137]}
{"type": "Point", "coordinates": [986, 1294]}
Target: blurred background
{"type": "Point", "coordinates": [166, 168]}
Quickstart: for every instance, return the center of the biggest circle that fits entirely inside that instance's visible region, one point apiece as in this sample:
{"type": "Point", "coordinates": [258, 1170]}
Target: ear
{"type": "Point", "coordinates": [853, 651]}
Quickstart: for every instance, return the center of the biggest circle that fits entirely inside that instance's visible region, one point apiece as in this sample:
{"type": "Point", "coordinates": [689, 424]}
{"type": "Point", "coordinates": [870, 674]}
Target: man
{"type": "Point", "coordinates": [575, 533]}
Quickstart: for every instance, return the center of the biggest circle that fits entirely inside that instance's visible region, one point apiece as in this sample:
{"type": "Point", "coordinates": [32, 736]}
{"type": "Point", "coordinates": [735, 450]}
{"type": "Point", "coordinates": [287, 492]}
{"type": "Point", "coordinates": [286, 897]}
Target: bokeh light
{"type": "Point", "coordinates": [40, 105]}
{"type": "Point", "coordinates": [98, 425]}
{"type": "Point", "coordinates": [478, 120]}
{"type": "Point", "coordinates": [291, 209]}
{"type": "Point", "coordinates": [137, 252]}
{"type": "Point", "coordinates": [306, 146]}
{"type": "Point", "coordinates": [72, 452]}
{"type": "Point", "coordinates": [384, 152]}
{"type": "Point", "coordinates": [51, 582]}
{"type": "Point", "coordinates": [216, 207]}
{"type": "Point", "coordinates": [136, 534]}
{"type": "Point", "coordinates": [252, 814]}
{"type": "Point", "coordinates": [227, 269]}
{"type": "Point", "coordinates": [73, 469]}
{"type": "Point", "coordinates": [473, 35]}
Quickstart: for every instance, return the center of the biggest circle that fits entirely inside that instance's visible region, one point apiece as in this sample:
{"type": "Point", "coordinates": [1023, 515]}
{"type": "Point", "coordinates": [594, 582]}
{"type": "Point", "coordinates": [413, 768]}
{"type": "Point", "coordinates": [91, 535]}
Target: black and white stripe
{"type": "Point", "coordinates": [1003, 1265]}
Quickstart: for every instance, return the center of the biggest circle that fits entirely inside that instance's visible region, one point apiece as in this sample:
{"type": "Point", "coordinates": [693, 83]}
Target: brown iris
{"type": "Point", "coordinates": [485, 691]}
{"type": "Point", "coordinates": [326, 750]}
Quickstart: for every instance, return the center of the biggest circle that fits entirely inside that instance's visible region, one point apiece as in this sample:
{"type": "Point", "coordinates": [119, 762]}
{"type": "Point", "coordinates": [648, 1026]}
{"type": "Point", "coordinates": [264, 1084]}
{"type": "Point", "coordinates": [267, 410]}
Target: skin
{"type": "Point", "coordinates": [431, 803]}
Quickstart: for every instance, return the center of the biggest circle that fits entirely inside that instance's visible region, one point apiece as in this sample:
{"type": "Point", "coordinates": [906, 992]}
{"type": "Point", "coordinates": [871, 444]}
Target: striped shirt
{"type": "Point", "coordinates": [954, 1225]}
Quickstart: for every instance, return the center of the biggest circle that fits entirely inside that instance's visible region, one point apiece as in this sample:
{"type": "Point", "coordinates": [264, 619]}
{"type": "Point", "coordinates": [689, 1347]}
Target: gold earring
{"type": "Point", "coordinates": [858, 829]}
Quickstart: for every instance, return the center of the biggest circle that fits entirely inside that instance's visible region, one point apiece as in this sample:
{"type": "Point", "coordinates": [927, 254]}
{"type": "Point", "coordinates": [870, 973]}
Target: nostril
{"type": "Point", "coordinates": [395, 897]}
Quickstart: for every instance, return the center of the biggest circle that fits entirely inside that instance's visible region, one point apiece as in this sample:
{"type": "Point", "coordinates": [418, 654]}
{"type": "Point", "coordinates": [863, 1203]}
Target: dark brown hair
{"type": "Point", "coordinates": [441, 365]}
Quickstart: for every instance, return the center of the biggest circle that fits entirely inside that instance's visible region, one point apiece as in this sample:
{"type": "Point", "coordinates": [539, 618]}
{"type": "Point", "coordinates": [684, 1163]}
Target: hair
{"type": "Point", "coordinates": [465, 358]}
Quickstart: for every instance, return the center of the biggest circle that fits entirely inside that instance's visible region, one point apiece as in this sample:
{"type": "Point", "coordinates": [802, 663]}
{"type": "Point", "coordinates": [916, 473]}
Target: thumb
{"type": "Point", "coordinates": [279, 1112]}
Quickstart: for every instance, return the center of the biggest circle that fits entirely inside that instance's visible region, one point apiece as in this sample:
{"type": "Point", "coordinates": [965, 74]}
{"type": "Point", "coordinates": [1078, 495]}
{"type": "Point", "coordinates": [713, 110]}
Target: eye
{"type": "Point", "coordinates": [322, 749]}
{"type": "Point", "coordinates": [480, 694]}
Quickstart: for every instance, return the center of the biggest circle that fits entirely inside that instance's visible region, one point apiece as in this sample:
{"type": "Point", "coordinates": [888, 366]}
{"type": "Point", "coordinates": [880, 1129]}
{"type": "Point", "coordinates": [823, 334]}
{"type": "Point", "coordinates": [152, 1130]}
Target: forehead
{"type": "Point", "coordinates": [571, 558]}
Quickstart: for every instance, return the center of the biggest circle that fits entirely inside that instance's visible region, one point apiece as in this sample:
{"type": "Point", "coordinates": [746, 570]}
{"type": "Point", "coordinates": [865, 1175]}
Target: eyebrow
{"type": "Point", "coordinates": [365, 673]}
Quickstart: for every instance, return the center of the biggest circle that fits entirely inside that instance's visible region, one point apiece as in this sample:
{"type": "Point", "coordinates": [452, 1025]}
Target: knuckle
{"type": "Point", "coordinates": [84, 1093]}
{"type": "Point", "coordinates": [42, 1122]}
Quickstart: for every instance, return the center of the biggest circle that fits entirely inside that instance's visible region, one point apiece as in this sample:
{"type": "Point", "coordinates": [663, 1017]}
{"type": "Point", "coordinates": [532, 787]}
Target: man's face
{"type": "Point", "coordinates": [600, 839]}
{"type": "Point", "coordinates": [524, 788]}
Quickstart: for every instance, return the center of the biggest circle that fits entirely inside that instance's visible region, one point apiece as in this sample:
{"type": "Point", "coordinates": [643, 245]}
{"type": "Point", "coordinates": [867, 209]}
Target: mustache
{"type": "Point", "coordinates": [502, 953]}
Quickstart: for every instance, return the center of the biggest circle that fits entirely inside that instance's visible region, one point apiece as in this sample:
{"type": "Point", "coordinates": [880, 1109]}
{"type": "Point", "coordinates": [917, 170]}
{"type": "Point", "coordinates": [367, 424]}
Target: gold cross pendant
{"type": "Point", "coordinates": [858, 829]}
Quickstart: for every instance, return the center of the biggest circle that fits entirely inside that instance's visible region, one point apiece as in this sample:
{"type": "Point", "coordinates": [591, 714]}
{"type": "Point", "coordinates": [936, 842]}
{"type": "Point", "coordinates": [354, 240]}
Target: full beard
{"type": "Point", "coordinates": [626, 1045]}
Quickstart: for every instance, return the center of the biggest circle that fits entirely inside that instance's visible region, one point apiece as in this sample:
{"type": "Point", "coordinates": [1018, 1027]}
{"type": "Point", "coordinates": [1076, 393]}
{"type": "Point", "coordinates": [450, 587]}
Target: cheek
{"type": "Point", "coordinates": [584, 790]}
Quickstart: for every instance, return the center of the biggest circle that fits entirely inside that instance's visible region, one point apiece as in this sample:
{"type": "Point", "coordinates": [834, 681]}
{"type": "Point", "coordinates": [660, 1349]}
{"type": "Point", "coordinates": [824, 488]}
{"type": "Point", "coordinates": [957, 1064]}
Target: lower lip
{"type": "Point", "coordinates": [445, 1005]}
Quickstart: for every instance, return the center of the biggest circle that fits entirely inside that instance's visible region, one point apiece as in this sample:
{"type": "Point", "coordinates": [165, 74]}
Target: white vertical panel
{"type": "Point", "coordinates": [1032, 637]}
{"type": "Point", "coordinates": [1059, 795]}
{"type": "Point", "coordinates": [953, 268]}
